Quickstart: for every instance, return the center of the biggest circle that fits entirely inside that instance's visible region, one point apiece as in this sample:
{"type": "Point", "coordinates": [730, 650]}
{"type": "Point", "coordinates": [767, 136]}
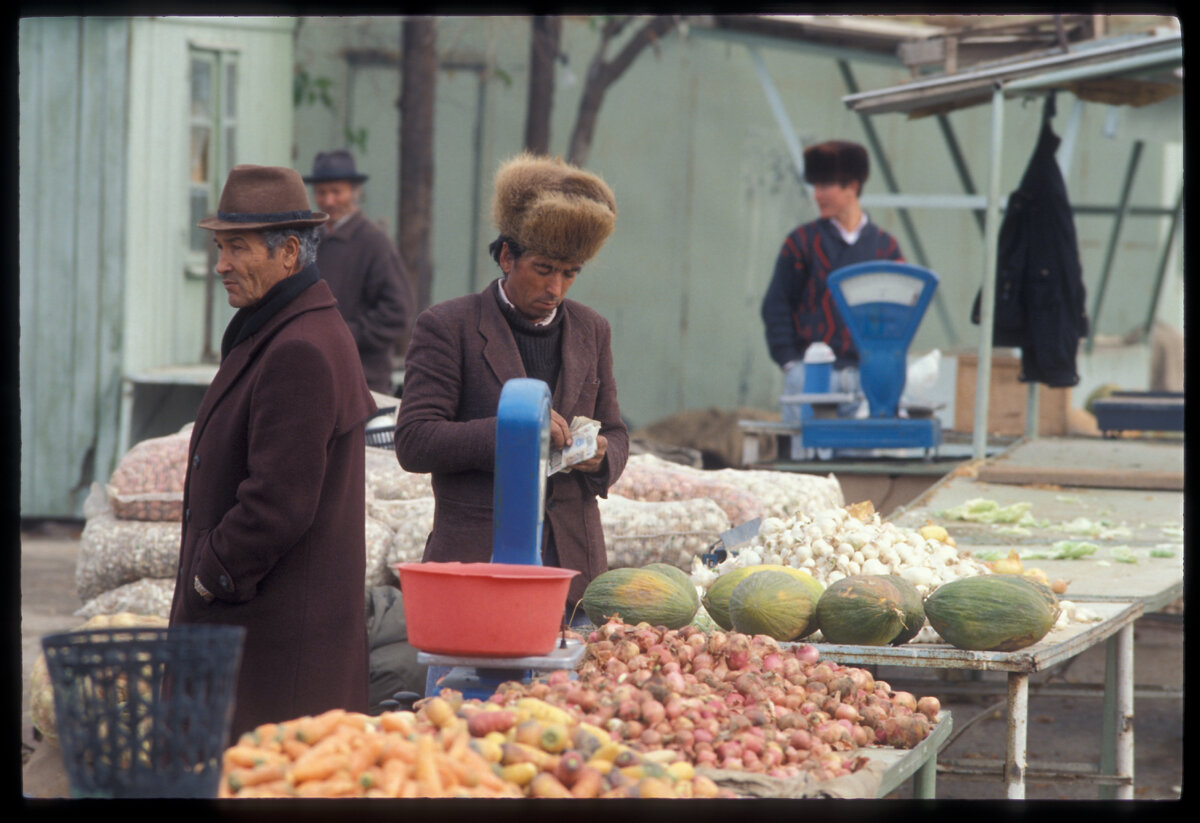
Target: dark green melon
{"type": "Point", "coordinates": [914, 609]}
{"type": "Point", "coordinates": [861, 610]}
{"type": "Point", "coordinates": [992, 612]}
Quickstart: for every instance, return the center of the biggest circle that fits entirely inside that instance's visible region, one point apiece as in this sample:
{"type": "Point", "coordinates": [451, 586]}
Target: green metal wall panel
{"type": "Point", "coordinates": [72, 135]}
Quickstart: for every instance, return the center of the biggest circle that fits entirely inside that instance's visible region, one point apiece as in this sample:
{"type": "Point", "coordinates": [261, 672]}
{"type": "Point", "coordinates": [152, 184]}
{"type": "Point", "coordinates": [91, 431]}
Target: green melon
{"type": "Point", "coordinates": [861, 610]}
{"type": "Point", "coordinates": [638, 595]}
{"type": "Point", "coordinates": [773, 603]}
{"type": "Point", "coordinates": [686, 587]}
{"type": "Point", "coordinates": [716, 599]}
{"type": "Point", "coordinates": [992, 612]}
{"type": "Point", "coordinates": [914, 609]}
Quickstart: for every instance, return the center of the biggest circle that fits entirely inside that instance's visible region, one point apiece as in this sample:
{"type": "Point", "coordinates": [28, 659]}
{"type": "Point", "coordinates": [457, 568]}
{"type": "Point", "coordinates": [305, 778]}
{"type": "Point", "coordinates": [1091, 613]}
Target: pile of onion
{"type": "Point", "coordinates": [731, 700]}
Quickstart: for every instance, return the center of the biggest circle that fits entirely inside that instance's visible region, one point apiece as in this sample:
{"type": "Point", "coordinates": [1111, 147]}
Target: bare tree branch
{"type": "Point", "coordinates": [601, 74]}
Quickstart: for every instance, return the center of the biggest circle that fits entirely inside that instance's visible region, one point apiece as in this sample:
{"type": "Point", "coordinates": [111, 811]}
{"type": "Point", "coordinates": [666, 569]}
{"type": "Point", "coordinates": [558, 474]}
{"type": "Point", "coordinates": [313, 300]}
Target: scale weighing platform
{"type": "Point", "coordinates": [522, 457]}
{"type": "Point", "coordinates": [882, 303]}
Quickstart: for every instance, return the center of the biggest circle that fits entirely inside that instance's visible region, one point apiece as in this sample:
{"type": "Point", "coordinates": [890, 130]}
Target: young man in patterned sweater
{"type": "Point", "coordinates": [798, 309]}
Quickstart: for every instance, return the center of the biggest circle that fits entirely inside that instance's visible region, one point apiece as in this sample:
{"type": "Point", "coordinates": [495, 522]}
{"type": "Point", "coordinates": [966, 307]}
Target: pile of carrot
{"type": "Point", "coordinates": [347, 754]}
{"type": "Point", "coordinates": [451, 747]}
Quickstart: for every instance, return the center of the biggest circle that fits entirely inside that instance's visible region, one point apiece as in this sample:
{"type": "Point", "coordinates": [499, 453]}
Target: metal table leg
{"type": "Point", "coordinates": [1116, 753]}
{"type": "Point", "coordinates": [925, 780]}
{"type": "Point", "coordinates": [1018, 723]}
{"type": "Point", "coordinates": [1124, 740]}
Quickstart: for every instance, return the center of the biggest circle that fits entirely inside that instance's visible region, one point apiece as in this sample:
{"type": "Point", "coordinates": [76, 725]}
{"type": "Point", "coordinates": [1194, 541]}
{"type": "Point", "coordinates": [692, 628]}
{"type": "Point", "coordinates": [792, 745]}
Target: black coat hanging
{"type": "Point", "coordinates": [1039, 281]}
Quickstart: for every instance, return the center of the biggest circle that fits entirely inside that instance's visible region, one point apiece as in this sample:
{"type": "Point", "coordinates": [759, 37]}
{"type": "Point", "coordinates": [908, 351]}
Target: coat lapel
{"type": "Point", "coordinates": [578, 358]}
{"type": "Point", "coordinates": [240, 358]}
{"type": "Point", "coordinates": [499, 346]}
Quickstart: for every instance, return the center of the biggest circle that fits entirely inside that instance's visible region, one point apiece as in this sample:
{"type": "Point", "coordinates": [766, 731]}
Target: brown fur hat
{"type": "Point", "coordinates": [552, 208]}
{"type": "Point", "coordinates": [836, 161]}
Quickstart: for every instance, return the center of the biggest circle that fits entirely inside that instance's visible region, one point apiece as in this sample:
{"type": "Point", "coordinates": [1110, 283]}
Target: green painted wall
{"type": "Point", "coordinates": [104, 220]}
{"type": "Point", "coordinates": [702, 176]}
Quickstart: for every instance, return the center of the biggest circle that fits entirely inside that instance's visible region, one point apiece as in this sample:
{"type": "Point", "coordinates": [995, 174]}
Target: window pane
{"type": "Point", "coordinates": [199, 209]}
{"type": "Point", "coordinates": [230, 89]}
{"type": "Point", "coordinates": [230, 149]}
{"type": "Point", "coordinates": [201, 89]}
{"type": "Point", "coordinates": [198, 154]}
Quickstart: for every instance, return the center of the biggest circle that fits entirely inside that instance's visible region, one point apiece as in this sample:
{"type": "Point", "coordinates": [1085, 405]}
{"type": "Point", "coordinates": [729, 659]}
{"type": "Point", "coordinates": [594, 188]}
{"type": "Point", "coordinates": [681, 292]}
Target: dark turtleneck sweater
{"type": "Point", "coordinates": [540, 346]}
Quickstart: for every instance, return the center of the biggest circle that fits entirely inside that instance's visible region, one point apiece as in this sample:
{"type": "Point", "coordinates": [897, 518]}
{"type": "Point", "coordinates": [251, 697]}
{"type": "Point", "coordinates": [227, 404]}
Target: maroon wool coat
{"type": "Point", "coordinates": [461, 355]}
{"type": "Point", "coordinates": [366, 275]}
{"type": "Point", "coordinates": [274, 514]}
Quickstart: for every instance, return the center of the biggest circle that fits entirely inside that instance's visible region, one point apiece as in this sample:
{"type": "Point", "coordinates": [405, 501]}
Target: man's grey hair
{"type": "Point", "coordinates": [309, 239]}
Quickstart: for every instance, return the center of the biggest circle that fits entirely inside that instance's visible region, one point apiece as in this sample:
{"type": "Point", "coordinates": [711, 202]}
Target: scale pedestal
{"type": "Point", "coordinates": [479, 677]}
{"type": "Point", "coordinates": [881, 303]}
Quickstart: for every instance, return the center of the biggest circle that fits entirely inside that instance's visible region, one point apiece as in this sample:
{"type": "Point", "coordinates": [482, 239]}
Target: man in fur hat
{"type": "Point", "coordinates": [798, 309]}
{"type": "Point", "coordinates": [273, 526]}
{"type": "Point", "coordinates": [362, 266]}
{"type": "Point", "coordinates": [552, 218]}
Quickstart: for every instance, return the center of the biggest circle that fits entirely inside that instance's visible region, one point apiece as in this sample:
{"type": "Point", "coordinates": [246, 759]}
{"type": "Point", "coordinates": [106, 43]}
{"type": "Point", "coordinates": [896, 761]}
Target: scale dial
{"type": "Point", "coordinates": [882, 287]}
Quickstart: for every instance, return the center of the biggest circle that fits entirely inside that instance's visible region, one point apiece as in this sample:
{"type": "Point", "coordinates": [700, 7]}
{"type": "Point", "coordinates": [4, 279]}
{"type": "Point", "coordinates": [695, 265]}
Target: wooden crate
{"type": "Point", "coordinates": [1007, 399]}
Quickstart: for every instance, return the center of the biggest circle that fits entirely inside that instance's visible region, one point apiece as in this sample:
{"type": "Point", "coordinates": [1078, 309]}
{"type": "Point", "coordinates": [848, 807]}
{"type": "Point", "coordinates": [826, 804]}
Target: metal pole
{"type": "Point", "coordinates": [960, 165]}
{"type": "Point", "coordinates": [1124, 741]}
{"type": "Point", "coordinates": [1122, 207]}
{"type": "Point", "coordinates": [1018, 720]}
{"type": "Point", "coordinates": [776, 104]}
{"type": "Point", "coordinates": [1031, 410]}
{"type": "Point", "coordinates": [910, 229]}
{"type": "Point", "coordinates": [987, 293]}
{"type": "Point", "coordinates": [1162, 264]}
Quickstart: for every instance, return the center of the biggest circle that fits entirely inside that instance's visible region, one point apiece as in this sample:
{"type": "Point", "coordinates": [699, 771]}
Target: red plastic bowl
{"type": "Point", "coordinates": [483, 609]}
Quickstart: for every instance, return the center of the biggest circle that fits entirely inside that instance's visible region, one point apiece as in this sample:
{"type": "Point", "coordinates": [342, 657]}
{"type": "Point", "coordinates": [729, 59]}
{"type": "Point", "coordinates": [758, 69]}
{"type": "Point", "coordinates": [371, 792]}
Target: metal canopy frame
{"type": "Point", "coordinates": [1154, 60]}
{"type": "Point", "coordinates": [1133, 57]}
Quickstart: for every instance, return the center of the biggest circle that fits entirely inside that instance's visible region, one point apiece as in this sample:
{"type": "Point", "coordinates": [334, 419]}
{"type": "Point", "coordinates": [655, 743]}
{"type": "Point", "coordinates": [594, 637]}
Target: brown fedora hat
{"type": "Point", "coordinates": [263, 197]}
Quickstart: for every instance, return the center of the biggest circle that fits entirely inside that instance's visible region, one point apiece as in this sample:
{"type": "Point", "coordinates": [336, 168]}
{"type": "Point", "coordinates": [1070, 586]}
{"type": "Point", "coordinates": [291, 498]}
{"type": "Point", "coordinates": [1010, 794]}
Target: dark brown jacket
{"type": "Point", "coordinates": [461, 355]}
{"type": "Point", "coordinates": [366, 275]}
{"type": "Point", "coordinates": [274, 514]}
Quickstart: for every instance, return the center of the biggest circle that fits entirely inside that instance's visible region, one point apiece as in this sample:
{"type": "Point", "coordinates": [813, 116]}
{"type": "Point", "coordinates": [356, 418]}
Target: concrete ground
{"type": "Point", "coordinates": [1062, 728]}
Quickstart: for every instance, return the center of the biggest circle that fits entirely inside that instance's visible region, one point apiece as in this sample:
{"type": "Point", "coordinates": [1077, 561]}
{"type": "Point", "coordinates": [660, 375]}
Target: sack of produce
{"type": "Point", "coordinates": [113, 552]}
{"type": "Point", "coordinates": [786, 494]}
{"type": "Point", "coordinates": [638, 533]}
{"type": "Point", "coordinates": [149, 596]}
{"type": "Point", "coordinates": [651, 479]}
{"type": "Point", "coordinates": [41, 688]}
{"type": "Point", "coordinates": [410, 522]}
{"type": "Point", "coordinates": [147, 483]}
{"type": "Point", "coordinates": [379, 543]}
{"type": "Point", "coordinates": [387, 481]}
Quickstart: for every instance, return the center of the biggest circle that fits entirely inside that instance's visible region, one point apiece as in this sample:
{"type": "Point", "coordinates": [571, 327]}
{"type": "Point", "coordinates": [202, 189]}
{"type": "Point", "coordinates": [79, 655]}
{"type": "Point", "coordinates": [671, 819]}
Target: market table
{"type": "Point", "coordinates": [919, 762]}
{"type": "Point", "coordinates": [1060, 645]}
{"type": "Point", "coordinates": [1124, 496]}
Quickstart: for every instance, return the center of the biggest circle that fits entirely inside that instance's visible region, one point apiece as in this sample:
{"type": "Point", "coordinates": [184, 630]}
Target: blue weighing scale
{"type": "Point", "coordinates": [522, 457]}
{"type": "Point", "coordinates": [881, 303]}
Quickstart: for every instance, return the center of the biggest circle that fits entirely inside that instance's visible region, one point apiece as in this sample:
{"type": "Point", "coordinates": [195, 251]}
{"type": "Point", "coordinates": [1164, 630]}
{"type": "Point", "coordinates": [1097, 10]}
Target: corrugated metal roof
{"type": "Point", "coordinates": [1151, 64]}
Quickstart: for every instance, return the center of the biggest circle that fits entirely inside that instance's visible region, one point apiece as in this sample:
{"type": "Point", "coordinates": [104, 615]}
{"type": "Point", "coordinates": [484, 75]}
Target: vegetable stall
{"type": "Point", "coordinates": [752, 670]}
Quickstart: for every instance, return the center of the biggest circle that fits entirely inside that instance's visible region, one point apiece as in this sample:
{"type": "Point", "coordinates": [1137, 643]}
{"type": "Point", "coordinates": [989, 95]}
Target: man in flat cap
{"type": "Point", "coordinates": [798, 309]}
{"type": "Point", "coordinates": [363, 268]}
{"type": "Point", "coordinates": [273, 507]}
{"type": "Point", "coordinates": [553, 218]}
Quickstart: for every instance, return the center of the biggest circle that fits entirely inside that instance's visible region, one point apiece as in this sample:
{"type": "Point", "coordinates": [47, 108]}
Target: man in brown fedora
{"type": "Point", "coordinates": [362, 267]}
{"type": "Point", "coordinates": [273, 508]}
